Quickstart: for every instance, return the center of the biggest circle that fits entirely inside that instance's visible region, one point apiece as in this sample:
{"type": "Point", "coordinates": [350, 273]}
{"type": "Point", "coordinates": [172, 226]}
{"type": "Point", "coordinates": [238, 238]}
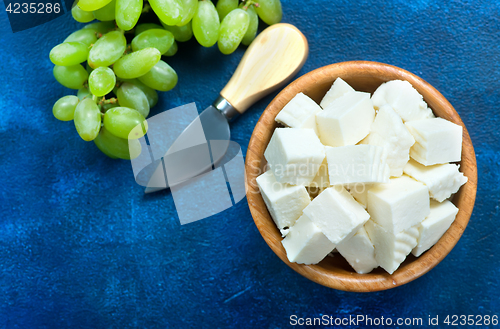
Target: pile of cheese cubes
{"type": "Point", "coordinates": [366, 176]}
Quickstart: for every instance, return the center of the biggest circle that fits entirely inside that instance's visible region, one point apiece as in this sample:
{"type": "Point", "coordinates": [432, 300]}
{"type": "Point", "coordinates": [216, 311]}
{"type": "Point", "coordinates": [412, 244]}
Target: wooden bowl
{"type": "Point", "coordinates": [335, 272]}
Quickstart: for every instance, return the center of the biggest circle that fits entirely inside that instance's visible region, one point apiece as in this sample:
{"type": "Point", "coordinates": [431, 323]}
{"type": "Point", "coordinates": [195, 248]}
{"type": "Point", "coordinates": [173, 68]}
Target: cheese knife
{"type": "Point", "coordinates": [272, 59]}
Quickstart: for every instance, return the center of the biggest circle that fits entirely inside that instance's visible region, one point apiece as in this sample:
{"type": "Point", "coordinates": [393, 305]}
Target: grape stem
{"type": "Point", "coordinates": [248, 3]}
{"type": "Point", "coordinates": [146, 8]}
{"type": "Point", "coordinates": [104, 101]}
{"type": "Point", "coordinates": [112, 100]}
{"type": "Point", "coordinates": [128, 50]}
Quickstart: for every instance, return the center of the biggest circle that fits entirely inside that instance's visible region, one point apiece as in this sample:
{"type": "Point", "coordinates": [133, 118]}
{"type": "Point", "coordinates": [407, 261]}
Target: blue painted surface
{"type": "Point", "coordinates": [81, 247]}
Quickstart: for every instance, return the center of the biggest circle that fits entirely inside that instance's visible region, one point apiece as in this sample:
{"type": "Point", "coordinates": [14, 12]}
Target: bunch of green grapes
{"type": "Point", "coordinates": [116, 64]}
{"type": "Point", "coordinates": [117, 87]}
{"type": "Point", "coordinates": [228, 24]}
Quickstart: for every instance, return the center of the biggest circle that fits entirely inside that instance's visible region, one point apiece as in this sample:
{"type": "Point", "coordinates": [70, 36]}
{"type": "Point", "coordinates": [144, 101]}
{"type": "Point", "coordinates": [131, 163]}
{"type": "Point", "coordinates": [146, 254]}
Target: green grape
{"type": "Point", "coordinates": [156, 38]}
{"type": "Point", "coordinates": [224, 7]}
{"type": "Point", "coordinates": [72, 77]}
{"type": "Point", "coordinates": [181, 33]}
{"type": "Point", "coordinates": [64, 108]}
{"type": "Point", "coordinates": [133, 97]}
{"type": "Point", "coordinates": [270, 11]}
{"type": "Point", "coordinates": [100, 27]}
{"type": "Point", "coordinates": [146, 26]}
{"type": "Point", "coordinates": [81, 16]}
{"type": "Point", "coordinates": [128, 13]}
{"type": "Point", "coordinates": [161, 77]}
{"type": "Point", "coordinates": [85, 36]}
{"type": "Point", "coordinates": [101, 81]}
{"type": "Point", "coordinates": [87, 119]}
{"type": "Point", "coordinates": [168, 11]}
{"type": "Point", "coordinates": [206, 24]}
{"type": "Point", "coordinates": [188, 10]}
{"type": "Point", "coordinates": [107, 50]}
{"type": "Point", "coordinates": [150, 93]}
{"type": "Point", "coordinates": [116, 147]}
{"type": "Point", "coordinates": [91, 5]}
{"type": "Point", "coordinates": [232, 30]}
{"type": "Point", "coordinates": [252, 26]}
{"type": "Point", "coordinates": [83, 93]}
{"type": "Point", "coordinates": [101, 146]}
{"type": "Point", "coordinates": [106, 13]}
{"type": "Point", "coordinates": [121, 121]}
{"type": "Point", "coordinates": [137, 63]}
{"type": "Point", "coordinates": [69, 53]}
{"type": "Point", "coordinates": [173, 50]}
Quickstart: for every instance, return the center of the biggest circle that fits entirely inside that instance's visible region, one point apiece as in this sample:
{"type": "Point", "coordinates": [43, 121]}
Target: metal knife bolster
{"type": "Point", "coordinates": [226, 108]}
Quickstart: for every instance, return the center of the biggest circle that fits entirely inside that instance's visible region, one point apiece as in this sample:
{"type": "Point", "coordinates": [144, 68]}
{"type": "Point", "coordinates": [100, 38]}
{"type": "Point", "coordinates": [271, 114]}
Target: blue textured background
{"type": "Point", "coordinates": [82, 247]}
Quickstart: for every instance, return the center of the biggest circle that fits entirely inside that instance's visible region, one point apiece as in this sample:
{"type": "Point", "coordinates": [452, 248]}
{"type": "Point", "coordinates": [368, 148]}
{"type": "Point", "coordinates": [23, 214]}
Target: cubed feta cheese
{"type": "Point", "coordinates": [435, 225]}
{"type": "Point", "coordinates": [442, 179]}
{"type": "Point", "coordinates": [389, 132]}
{"type": "Point", "coordinates": [336, 214]}
{"type": "Point", "coordinates": [284, 231]}
{"type": "Point", "coordinates": [357, 164]}
{"type": "Point", "coordinates": [284, 202]}
{"type": "Point", "coordinates": [300, 112]}
{"type": "Point", "coordinates": [378, 97]}
{"type": "Point", "coordinates": [294, 155]}
{"type": "Point", "coordinates": [391, 249]}
{"type": "Point", "coordinates": [399, 204]}
{"type": "Point", "coordinates": [360, 192]}
{"type": "Point", "coordinates": [305, 243]}
{"type": "Point", "coordinates": [346, 120]}
{"type": "Point", "coordinates": [338, 89]}
{"type": "Point", "coordinates": [436, 141]}
{"type": "Point", "coordinates": [404, 99]}
{"type": "Point", "coordinates": [359, 252]}
{"type": "Point", "coordinates": [321, 179]}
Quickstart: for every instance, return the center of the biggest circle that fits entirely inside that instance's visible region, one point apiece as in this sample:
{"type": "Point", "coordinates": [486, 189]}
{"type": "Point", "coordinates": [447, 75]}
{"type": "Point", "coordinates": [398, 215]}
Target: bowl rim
{"type": "Point", "coordinates": [343, 280]}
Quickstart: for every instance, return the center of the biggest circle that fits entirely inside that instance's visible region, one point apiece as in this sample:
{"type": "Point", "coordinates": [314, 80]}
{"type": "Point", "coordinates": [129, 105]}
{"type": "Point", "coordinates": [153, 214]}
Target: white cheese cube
{"type": "Point", "coordinates": [284, 231]}
{"type": "Point", "coordinates": [435, 225]}
{"type": "Point", "coordinates": [404, 99]}
{"type": "Point", "coordinates": [357, 164]}
{"type": "Point", "coordinates": [321, 179]}
{"type": "Point", "coordinates": [364, 141]}
{"type": "Point", "coordinates": [346, 120]}
{"type": "Point", "coordinates": [399, 204]}
{"type": "Point", "coordinates": [391, 249]}
{"type": "Point", "coordinates": [294, 155]}
{"type": "Point", "coordinates": [359, 252]}
{"type": "Point", "coordinates": [389, 132]}
{"type": "Point", "coordinates": [378, 97]}
{"type": "Point", "coordinates": [336, 214]}
{"type": "Point", "coordinates": [442, 179]}
{"type": "Point", "coordinates": [338, 89]}
{"type": "Point", "coordinates": [300, 112]}
{"type": "Point", "coordinates": [305, 243]}
{"type": "Point", "coordinates": [436, 141]}
{"type": "Point", "coordinates": [284, 202]}
{"type": "Point", "coordinates": [360, 192]}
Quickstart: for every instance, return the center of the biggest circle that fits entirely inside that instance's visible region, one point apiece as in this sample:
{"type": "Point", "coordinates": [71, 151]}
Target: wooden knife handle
{"type": "Point", "coordinates": [273, 58]}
